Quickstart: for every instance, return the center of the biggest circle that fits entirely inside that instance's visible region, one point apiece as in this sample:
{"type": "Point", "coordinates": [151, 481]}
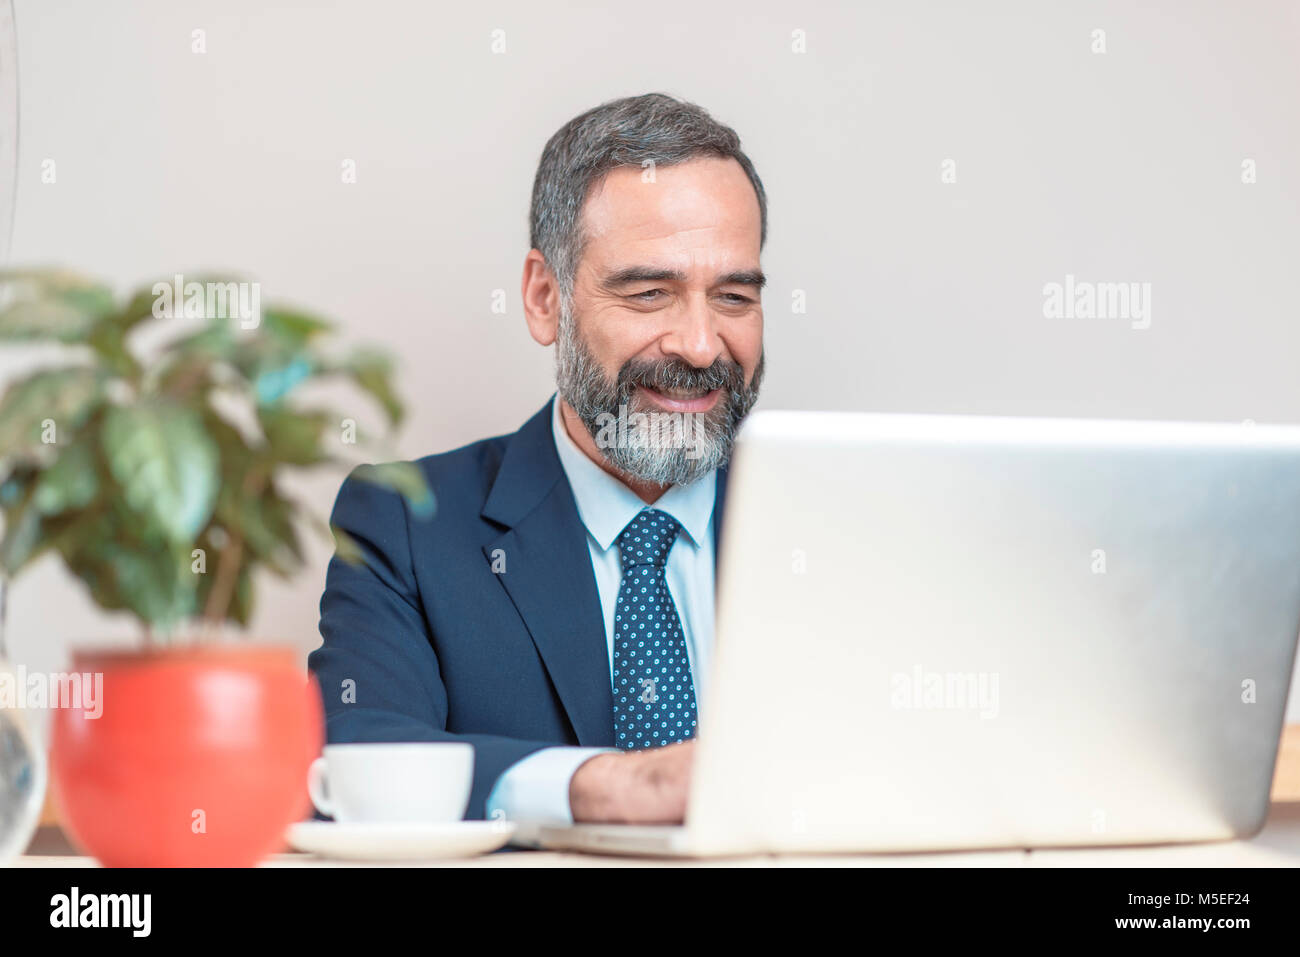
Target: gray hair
{"type": "Point", "coordinates": [626, 132]}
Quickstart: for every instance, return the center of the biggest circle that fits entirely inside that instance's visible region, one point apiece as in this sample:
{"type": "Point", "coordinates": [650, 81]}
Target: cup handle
{"type": "Point", "coordinates": [317, 787]}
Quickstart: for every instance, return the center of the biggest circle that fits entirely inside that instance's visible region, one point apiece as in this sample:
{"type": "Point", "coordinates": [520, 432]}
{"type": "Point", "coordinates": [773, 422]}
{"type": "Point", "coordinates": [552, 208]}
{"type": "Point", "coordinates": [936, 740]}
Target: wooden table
{"type": "Point", "coordinates": [1277, 845]}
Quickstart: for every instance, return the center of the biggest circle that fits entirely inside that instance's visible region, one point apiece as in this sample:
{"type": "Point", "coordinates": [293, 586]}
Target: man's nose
{"type": "Point", "coordinates": [694, 335]}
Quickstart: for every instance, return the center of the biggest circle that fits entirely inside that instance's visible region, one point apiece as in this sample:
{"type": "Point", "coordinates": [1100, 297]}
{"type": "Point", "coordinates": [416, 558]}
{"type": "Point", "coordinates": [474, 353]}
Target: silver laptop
{"type": "Point", "coordinates": [952, 632]}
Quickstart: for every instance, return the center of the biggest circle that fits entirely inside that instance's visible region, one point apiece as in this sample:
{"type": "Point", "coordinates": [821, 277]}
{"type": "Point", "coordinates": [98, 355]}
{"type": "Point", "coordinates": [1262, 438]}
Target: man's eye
{"type": "Point", "coordinates": [735, 298]}
{"type": "Point", "coordinates": [647, 296]}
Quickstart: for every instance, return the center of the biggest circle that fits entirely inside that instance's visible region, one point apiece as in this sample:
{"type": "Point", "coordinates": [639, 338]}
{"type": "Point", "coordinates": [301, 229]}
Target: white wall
{"type": "Point", "coordinates": [922, 296]}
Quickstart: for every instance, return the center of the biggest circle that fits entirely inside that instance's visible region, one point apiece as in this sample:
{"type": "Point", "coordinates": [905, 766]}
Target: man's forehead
{"type": "Point", "coordinates": [709, 195]}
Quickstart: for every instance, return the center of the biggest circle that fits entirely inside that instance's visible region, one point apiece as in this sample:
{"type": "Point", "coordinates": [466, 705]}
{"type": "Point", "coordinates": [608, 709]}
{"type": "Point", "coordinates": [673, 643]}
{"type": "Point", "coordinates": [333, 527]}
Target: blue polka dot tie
{"type": "Point", "coordinates": [654, 697]}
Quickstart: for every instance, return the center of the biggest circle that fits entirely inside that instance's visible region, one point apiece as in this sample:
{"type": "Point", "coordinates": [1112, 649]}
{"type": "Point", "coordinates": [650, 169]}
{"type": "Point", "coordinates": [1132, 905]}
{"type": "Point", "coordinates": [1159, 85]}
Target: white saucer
{"type": "Point", "coordinates": [383, 841]}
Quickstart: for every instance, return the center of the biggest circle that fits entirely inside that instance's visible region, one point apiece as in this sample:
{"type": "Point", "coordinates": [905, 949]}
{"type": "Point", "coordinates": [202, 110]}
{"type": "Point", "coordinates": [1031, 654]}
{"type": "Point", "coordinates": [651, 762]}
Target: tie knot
{"type": "Point", "coordinates": [647, 538]}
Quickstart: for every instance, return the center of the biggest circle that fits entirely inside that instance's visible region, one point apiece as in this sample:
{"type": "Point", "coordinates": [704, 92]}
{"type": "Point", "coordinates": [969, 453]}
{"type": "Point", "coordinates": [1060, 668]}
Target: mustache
{"type": "Point", "coordinates": [675, 375]}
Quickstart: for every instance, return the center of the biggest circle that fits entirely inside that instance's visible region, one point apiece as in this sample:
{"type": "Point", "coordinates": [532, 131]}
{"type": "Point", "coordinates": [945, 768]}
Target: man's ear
{"type": "Point", "coordinates": [541, 298]}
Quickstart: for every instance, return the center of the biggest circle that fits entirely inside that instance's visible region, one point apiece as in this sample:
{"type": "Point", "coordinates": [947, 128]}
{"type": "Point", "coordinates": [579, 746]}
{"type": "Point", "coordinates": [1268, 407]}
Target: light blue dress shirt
{"type": "Point", "coordinates": [537, 788]}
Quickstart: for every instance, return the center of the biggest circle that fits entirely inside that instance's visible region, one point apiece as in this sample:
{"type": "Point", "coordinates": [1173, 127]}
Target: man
{"type": "Point", "coordinates": [557, 610]}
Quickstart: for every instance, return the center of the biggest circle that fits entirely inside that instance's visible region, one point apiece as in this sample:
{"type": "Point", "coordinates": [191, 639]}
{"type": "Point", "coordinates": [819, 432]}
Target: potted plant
{"type": "Point", "coordinates": [152, 462]}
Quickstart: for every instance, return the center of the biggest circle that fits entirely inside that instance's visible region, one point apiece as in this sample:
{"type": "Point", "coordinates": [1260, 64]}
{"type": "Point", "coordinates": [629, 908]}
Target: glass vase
{"type": "Point", "coordinates": [22, 772]}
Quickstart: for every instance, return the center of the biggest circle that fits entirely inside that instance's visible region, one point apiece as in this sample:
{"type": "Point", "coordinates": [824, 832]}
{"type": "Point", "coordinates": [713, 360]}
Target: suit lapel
{"type": "Point", "coordinates": [548, 574]}
{"type": "Point", "coordinates": [719, 502]}
{"type": "Point", "coordinates": [549, 579]}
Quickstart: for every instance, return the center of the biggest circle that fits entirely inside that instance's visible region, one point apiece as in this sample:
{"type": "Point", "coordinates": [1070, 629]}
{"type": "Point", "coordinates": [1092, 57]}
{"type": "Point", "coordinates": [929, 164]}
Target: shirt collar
{"type": "Point", "coordinates": [606, 505]}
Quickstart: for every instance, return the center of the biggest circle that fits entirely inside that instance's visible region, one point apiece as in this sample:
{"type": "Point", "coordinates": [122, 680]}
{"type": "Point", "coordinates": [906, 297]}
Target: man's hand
{"type": "Point", "coordinates": [634, 787]}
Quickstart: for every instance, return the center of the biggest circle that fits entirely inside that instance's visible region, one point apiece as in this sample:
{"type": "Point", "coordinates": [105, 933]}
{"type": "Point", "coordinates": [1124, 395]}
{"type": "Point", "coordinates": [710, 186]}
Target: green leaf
{"type": "Point", "coordinates": [189, 364]}
{"type": "Point", "coordinates": [237, 458]}
{"type": "Point", "coordinates": [346, 547]}
{"type": "Point", "coordinates": [166, 465]}
{"type": "Point", "coordinates": [124, 566]}
{"type": "Point", "coordinates": [154, 584]}
{"type": "Point", "coordinates": [138, 308]}
{"type": "Point", "coordinates": [71, 482]}
{"type": "Point", "coordinates": [274, 368]}
{"type": "Point", "coordinates": [52, 304]}
{"type": "Point", "coordinates": [65, 396]}
{"type": "Point", "coordinates": [21, 538]}
{"type": "Point", "coordinates": [46, 319]}
{"type": "Point", "coordinates": [294, 438]}
{"type": "Point", "coordinates": [182, 379]}
{"type": "Point", "coordinates": [157, 585]}
{"type": "Point", "coordinates": [266, 523]}
{"type": "Point", "coordinates": [407, 478]}
{"type": "Point", "coordinates": [373, 372]}
{"type": "Point", "coordinates": [293, 327]}
{"type": "Point", "coordinates": [241, 602]}
{"type": "Point", "coordinates": [16, 483]}
{"type": "Point", "coordinates": [213, 341]}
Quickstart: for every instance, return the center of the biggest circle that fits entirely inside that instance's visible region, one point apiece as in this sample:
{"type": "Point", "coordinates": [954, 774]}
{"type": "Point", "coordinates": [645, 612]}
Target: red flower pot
{"type": "Point", "coordinates": [199, 758]}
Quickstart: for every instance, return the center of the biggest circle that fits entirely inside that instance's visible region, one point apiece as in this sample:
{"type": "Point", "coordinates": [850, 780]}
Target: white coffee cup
{"type": "Point", "coordinates": [418, 782]}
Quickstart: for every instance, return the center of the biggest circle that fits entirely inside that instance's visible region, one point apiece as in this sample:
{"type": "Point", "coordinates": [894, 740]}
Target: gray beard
{"type": "Point", "coordinates": [638, 439]}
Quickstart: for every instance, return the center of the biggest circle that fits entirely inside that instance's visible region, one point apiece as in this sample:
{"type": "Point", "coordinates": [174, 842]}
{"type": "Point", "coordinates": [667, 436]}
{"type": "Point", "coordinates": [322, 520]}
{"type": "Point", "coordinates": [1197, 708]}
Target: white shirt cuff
{"type": "Point", "coordinates": [537, 787]}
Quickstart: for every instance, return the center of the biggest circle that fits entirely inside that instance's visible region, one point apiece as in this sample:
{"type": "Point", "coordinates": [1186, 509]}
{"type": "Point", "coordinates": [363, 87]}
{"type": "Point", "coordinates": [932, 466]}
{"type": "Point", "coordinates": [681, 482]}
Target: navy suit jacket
{"type": "Point", "coordinates": [442, 648]}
